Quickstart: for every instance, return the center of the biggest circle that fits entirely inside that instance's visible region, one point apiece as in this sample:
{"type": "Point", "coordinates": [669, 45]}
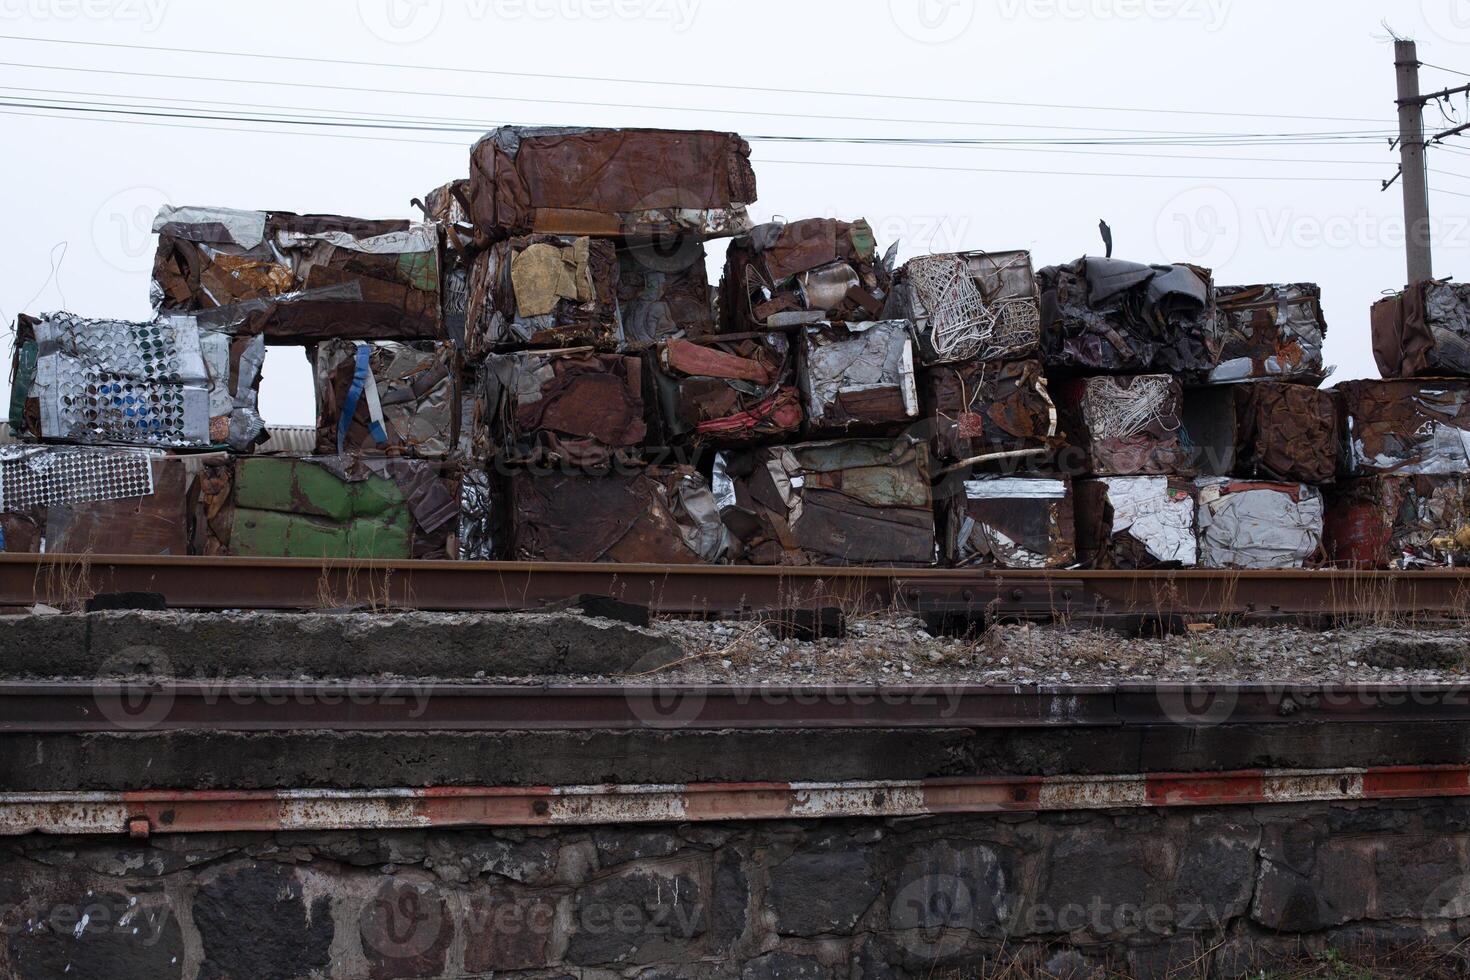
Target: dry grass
{"type": "Point", "coordinates": [64, 581]}
{"type": "Point", "coordinates": [362, 587]}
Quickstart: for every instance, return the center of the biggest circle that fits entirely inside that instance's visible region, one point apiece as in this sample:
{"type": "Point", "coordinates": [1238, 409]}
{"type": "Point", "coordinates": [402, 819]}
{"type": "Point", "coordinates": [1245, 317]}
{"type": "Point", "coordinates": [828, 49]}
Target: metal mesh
{"type": "Point", "coordinates": [43, 476]}
{"type": "Point", "coordinates": [962, 325]}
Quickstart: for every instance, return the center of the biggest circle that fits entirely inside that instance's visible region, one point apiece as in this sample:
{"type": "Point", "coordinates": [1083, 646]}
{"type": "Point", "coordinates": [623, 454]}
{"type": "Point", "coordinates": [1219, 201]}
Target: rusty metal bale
{"type": "Point", "coordinates": [1109, 316]}
{"type": "Point", "coordinates": [1136, 522]}
{"type": "Point", "coordinates": [845, 502]}
{"type": "Point", "coordinates": [625, 183]}
{"type": "Point", "coordinates": [1423, 331]}
{"type": "Point", "coordinates": [1399, 522]}
{"type": "Point", "coordinates": [1007, 522]}
{"type": "Point", "coordinates": [1124, 426]}
{"type": "Point", "coordinates": [1271, 331]}
{"type": "Point", "coordinates": [968, 306]}
{"type": "Point", "coordinates": [785, 274]}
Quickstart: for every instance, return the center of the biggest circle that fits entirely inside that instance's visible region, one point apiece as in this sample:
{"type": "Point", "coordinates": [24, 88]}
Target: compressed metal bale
{"type": "Point", "coordinates": [302, 278]}
{"type": "Point", "coordinates": [1255, 525]}
{"type": "Point", "coordinates": [968, 306]}
{"type": "Point", "coordinates": [168, 382]}
{"type": "Point", "coordinates": [1116, 317]}
{"type": "Point", "coordinates": [103, 501]}
{"type": "Point", "coordinates": [654, 515]}
{"type": "Point", "coordinates": [572, 407]}
{"type": "Point", "coordinates": [1423, 331]}
{"type": "Point", "coordinates": [663, 292]}
{"type": "Point", "coordinates": [1008, 522]}
{"type": "Point", "coordinates": [1407, 427]}
{"type": "Point", "coordinates": [387, 398]}
{"type": "Point", "coordinates": [845, 502]}
{"type": "Point", "coordinates": [1263, 430]}
{"type": "Point", "coordinates": [782, 274]}
{"type": "Point", "coordinates": [1136, 522]}
{"type": "Point", "coordinates": [726, 391]}
{"type": "Point", "coordinates": [1271, 331]}
{"type": "Point", "coordinates": [333, 507]}
{"type": "Point", "coordinates": [981, 409]}
{"type": "Point", "coordinates": [858, 378]}
{"type": "Point", "coordinates": [1399, 522]}
{"type": "Point", "coordinates": [1124, 426]}
{"type": "Point", "coordinates": [609, 182]}
{"type": "Point", "coordinates": [543, 291]}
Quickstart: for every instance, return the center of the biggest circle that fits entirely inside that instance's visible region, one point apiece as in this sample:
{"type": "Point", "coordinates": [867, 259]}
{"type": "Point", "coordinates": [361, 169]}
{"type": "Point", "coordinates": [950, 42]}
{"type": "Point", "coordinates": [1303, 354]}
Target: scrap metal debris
{"type": "Point", "coordinates": [535, 367]}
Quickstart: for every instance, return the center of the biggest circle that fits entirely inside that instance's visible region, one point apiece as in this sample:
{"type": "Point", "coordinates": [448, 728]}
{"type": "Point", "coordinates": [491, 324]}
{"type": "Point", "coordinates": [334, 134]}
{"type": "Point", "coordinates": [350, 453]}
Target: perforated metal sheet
{"type": "Point", "coordinates": [40, 476]}
{"type": "Point", "coordinates": [112, 381]}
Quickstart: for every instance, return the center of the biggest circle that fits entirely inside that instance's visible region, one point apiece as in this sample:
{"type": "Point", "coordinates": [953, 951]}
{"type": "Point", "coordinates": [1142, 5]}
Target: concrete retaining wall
{"type": "Point", "coordinates": [1183, 893]}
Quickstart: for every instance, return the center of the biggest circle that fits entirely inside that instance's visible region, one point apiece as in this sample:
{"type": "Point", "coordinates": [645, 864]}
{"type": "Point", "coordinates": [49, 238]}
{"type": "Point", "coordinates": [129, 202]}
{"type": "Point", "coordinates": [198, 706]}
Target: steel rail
{"type": "Point", "coordinates": [141, 813]}
{"type": "Point", "coordinates": [407, 706]}
{"type": "Point", "coordinates": [315, 584]}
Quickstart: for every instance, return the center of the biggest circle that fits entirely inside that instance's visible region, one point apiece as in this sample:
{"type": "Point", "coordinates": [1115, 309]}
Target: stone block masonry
{"type": "Point", "coordinates": [1207, 892]}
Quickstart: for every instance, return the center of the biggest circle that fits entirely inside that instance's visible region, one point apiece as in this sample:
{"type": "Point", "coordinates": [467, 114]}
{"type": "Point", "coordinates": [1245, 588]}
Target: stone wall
{"type": "Point", "coordinates": [1178, 893]}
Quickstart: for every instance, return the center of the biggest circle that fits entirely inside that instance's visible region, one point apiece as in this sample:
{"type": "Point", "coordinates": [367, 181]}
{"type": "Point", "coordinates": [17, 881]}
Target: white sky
{"type": "Point", "coordinates": [81, 193]}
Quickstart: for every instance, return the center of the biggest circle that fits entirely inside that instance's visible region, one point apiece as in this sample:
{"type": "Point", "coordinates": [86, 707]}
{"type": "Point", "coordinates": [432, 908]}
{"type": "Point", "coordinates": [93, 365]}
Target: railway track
{"type": "Point", "coordinates": [316, 584]}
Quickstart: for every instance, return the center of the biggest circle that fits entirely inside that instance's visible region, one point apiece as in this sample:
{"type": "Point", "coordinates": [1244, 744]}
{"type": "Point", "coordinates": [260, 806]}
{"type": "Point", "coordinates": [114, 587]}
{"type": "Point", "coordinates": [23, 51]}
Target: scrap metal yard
{"type": "Point", "coordinates": [693, 574]}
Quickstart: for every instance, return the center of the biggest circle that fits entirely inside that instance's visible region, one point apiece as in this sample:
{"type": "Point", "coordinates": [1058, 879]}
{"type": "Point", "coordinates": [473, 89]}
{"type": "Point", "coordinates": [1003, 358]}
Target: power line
{"type": "Point", "coordinates": [1304, 140]}
{"type": "Point", "coordinates": [581, 103]}
{"type": "Point", "coordinates": [681, 83]}
{"type": "Point", "coordinates": [471, 126]}
{"type": "Point", "coordinates": [823, 163]}
{"type": "Point", "coordinates": [1452, 71]}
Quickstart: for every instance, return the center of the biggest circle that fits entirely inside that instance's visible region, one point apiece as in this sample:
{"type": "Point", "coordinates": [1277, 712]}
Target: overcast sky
{"type": "Point", "coordinates": [82, 188]}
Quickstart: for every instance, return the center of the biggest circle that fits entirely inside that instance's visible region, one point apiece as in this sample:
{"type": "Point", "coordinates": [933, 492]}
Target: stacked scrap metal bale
{"type": "Point", "coordinates": [1404, 501]}
{"type": "Point", "coordinates": [540, 370]}
{"type": "Point", "coordinates": [1194, 410]}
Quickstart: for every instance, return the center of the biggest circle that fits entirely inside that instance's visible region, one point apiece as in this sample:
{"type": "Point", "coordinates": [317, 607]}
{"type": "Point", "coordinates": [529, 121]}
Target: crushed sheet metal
{"type": "Point", "coordinates": [43, 476]}
{"type": "Point", "coordinates": [1423, 331]}
{"type": "Point", "coordinates": [1399, 522]}
{"type": "Point", "coordinates": [1407, 428]}
{"type": "Point", "coordinates": [191, 811]}
{"type": "Point", "coordinates": [969, 305]}
{"type": "Point", "coordinates": [1136, 522]}
{"type": "Point", "coordinates": [114, 381]}
{"type": "Point", "coordinates": [1258, 525]}
{"type": "Point", "coordinates": [1271, 331]}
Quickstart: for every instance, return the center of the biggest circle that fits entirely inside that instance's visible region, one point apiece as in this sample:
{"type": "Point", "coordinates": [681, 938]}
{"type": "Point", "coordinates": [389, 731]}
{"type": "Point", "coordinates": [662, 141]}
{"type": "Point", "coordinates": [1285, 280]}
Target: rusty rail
{"type": "Point", "coordinates": [144, 812]}
{"type": "Point", "coordinates": [406, 706]}
{"type": "Point", "coordinates": [315, 584]}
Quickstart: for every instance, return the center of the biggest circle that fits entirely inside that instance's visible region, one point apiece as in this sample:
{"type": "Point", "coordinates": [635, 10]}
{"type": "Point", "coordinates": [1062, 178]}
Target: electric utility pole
{"type": "Point", "coordinates": [1411, 160]}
